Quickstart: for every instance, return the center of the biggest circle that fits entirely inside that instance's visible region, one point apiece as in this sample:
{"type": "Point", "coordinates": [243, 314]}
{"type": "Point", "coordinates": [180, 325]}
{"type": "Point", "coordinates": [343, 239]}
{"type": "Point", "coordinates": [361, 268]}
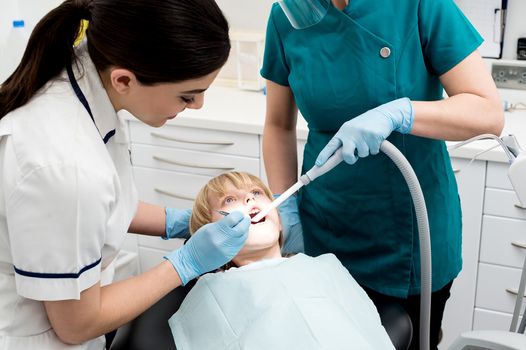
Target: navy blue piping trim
{"type": "Point", "coordinates": [57, 275]}
{"type": "Point", "coordinates": [108, 136]}
{"type": "Point", "coordinates": [78, 91]}
{"type": "Point", "coordinates": [84, 101]}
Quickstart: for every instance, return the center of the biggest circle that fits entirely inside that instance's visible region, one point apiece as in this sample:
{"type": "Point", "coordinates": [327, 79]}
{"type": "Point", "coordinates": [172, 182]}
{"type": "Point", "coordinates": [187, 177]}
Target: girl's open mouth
{"type": "Point", "coordinates": [254, 214]}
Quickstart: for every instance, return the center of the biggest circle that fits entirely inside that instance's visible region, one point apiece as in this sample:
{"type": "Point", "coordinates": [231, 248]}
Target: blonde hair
{"type": "Point", "coordinates": [202, 211]}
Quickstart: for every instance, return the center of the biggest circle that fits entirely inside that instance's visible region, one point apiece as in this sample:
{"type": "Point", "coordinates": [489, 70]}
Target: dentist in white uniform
{"type": "Point", "coordinates": [67, 196]}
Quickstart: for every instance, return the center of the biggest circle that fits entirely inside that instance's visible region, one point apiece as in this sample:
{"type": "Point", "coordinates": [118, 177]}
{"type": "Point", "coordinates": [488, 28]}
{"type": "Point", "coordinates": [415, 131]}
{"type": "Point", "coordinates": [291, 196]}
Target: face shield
{"type": "Point", "coordinates": [304, 13]}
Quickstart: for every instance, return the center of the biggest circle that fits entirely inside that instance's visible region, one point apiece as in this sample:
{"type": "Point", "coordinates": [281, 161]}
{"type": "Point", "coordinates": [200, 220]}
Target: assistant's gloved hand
{"type": "Point", "coordinates": [177, 221]}
{"type": "Point", "coordinates": [210, 247]}
{"type": "Point", "coordinates": [292, 229]}
{"type": "Point", "coordinates": [366, 132]}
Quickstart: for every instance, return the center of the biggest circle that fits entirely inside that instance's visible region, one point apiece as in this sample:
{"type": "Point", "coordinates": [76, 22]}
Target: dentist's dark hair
{"type": "Point", "coordinates": [160, 41]}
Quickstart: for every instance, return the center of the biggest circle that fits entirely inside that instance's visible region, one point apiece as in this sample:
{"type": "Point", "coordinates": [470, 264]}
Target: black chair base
{"type": "Point", "coordinates": [150, 330]}
{"type": "Point", "coordinates": [397, 323]}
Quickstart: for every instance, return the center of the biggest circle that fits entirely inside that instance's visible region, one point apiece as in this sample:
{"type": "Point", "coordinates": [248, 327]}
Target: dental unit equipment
{"type": "Point", "coordinates": [516, 158]}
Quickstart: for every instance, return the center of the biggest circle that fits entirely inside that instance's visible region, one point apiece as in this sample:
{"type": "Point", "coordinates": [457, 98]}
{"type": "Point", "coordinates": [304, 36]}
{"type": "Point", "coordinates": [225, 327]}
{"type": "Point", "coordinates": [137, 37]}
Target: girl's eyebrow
{"type": "Point", "coordinates": [196, 91]}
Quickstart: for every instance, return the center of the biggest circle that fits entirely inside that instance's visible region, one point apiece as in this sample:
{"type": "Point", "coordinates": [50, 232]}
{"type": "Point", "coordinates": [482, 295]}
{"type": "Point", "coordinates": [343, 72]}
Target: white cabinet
{"type": "Point", "coordinates": [493, 251]}
{"type": "Point", "coordinates": [502, 249]}
{"type": "Point", "coordinates": [458, 315]}
{"type": "Point", "coordinates": [171, 164]}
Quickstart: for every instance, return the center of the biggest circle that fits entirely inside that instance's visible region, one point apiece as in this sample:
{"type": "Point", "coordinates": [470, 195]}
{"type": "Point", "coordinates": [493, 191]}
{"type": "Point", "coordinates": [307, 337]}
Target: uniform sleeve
{"type": "Point", "coordinates": [56, 219]}
{"type": "Point", "coordinates": [274, 65]}
{"type": "Point", "coordinates": [446, 34]}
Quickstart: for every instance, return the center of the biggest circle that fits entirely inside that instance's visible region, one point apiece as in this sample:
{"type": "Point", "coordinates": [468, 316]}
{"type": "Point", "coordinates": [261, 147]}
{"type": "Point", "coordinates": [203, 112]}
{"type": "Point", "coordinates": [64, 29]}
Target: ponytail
{"type": "Point", "coordinates": [49, 49]}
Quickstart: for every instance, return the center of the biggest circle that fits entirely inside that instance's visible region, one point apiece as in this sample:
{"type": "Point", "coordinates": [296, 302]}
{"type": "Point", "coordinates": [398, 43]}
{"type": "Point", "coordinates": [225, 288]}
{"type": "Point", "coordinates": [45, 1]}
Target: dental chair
{"type": "Point", "coordinates": [150, 330]}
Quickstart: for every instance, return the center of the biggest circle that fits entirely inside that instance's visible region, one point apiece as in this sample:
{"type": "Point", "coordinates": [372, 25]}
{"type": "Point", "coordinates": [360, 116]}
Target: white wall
{"type": "Point", "coordinates": [28, 10]}
{"type": "Point", "coordinates": [246, 14]}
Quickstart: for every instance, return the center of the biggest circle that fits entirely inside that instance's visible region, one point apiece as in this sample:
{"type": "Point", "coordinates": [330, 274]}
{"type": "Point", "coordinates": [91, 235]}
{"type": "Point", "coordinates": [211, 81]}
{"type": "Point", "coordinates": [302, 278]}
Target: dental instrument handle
{"type": "Point", "coordinates": [317, 171]}
{"type": "Point", "coordinates": [276, 202]}
{"type": "Point", "coordinates": [305, 179]}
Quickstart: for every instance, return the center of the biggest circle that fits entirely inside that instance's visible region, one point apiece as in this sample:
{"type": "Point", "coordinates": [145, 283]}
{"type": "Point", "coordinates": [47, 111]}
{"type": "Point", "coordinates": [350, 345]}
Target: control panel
{"type": "Point", "coordinates": [509, 76]}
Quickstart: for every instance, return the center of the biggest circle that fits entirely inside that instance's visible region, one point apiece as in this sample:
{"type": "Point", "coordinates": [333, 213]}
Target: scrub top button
{"type": "Point", "coordinates": [385, 52]}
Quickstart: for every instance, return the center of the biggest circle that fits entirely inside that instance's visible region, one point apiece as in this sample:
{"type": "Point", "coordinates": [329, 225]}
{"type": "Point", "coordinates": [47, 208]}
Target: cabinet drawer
{"type": "Point", "coordinates": [491, 320]}
{"type": "Point", "coordinates": [503, 241]}
{"type": "Point", "coordinates": [196, 139]}
{"type": "Point", "coordinates": [502, 203]}
{"type": "Point", "coordinates": [493, 282]}
{"type": "Point", "coordinates": [195, 162]}
{"type": "Point", "coordinates": [168, 188]}
{"type": "Point", "coordinates": [497, 176]}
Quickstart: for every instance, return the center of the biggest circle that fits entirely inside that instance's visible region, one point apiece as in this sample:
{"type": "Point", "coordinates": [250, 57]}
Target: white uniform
{"type": "Point", "coordinates": [66, 202]}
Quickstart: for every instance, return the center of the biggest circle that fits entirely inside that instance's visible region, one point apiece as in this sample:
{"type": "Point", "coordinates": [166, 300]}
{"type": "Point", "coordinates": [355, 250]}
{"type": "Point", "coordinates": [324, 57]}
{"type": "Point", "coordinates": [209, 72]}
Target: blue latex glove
{"type": "Point", "coordinates": [212, 246]}
{"type": "Point", "coordinates": [366, 132]}
{"type": "Point", "coordinates": [177, 221]}
{"type": "Point", "coordinates": [290, 221]}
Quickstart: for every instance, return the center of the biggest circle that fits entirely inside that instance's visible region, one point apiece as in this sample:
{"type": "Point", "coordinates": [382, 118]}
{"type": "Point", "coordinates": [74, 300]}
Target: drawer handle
{"type": "Point", "coordinates": [192, 165]}
{"type": "Point", "coordinates": [519, 245]}
{"type": "Point", "coordinates": [513, 291]}
{"type": "Point", "coordinates": [520, 206]}
{"type": "Point", "coordinates": [200, 142]}
{"type": "Point", "coordinates": [171, 194]}
{"type": "Point", "coordinates": [456, 171]}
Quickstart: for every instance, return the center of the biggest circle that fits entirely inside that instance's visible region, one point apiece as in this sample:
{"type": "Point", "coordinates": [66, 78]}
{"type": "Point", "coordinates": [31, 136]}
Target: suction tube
{"type": "Point", "coordinates": [423, 232]}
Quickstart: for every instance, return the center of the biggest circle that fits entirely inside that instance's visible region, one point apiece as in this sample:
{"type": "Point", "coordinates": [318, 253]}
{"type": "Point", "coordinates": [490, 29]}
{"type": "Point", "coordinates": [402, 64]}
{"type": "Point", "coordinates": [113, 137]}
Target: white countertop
{"type": "Point", "coordinates": [231, 109]}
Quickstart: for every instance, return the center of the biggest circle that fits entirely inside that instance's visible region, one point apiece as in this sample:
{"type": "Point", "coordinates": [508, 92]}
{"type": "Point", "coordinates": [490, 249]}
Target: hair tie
{"type": "Point", "coordinates": [84, 8]}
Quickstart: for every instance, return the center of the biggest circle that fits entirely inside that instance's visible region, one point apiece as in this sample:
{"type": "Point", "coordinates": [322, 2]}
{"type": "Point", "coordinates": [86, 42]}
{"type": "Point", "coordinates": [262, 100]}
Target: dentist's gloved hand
{"type": "Point", "coordinates": [212, 246]}
{"type": "Point", "coordinates": [292, 229]}
{"type": "Point", "coordinates": [366, 132]}
{"type": "Point", "coordinates": [177, 221]}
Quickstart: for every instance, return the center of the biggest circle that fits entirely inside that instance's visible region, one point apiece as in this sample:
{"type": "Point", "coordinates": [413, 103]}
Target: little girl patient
{"type": "Point", "coordinates": [261, 300]}
{"type": "Point", "coordinates": [246, 193]}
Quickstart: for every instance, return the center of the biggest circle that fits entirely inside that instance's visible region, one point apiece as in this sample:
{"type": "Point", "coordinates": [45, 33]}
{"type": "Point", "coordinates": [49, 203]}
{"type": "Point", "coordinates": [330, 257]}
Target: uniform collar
{"type": "Point", "coordinates": [89, 81]}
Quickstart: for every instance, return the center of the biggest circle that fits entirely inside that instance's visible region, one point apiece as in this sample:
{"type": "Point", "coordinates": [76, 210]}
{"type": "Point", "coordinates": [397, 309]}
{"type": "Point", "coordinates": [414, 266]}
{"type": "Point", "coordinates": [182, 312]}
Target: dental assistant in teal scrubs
{"type": "Point", "coordinates": [369, 71]}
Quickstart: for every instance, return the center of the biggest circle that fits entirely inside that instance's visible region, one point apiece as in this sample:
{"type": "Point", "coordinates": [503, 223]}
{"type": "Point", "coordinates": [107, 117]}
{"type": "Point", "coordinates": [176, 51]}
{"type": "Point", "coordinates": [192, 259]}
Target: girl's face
{"type": "Point", "coordinates": [262, 235]}
{"type": "Point", "coordinates": [155, 105]}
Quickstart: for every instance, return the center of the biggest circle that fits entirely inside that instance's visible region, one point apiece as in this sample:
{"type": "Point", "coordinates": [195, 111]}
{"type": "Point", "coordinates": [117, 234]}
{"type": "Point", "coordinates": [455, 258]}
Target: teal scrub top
{"type": "Point", "coordinates": [371, 53]}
